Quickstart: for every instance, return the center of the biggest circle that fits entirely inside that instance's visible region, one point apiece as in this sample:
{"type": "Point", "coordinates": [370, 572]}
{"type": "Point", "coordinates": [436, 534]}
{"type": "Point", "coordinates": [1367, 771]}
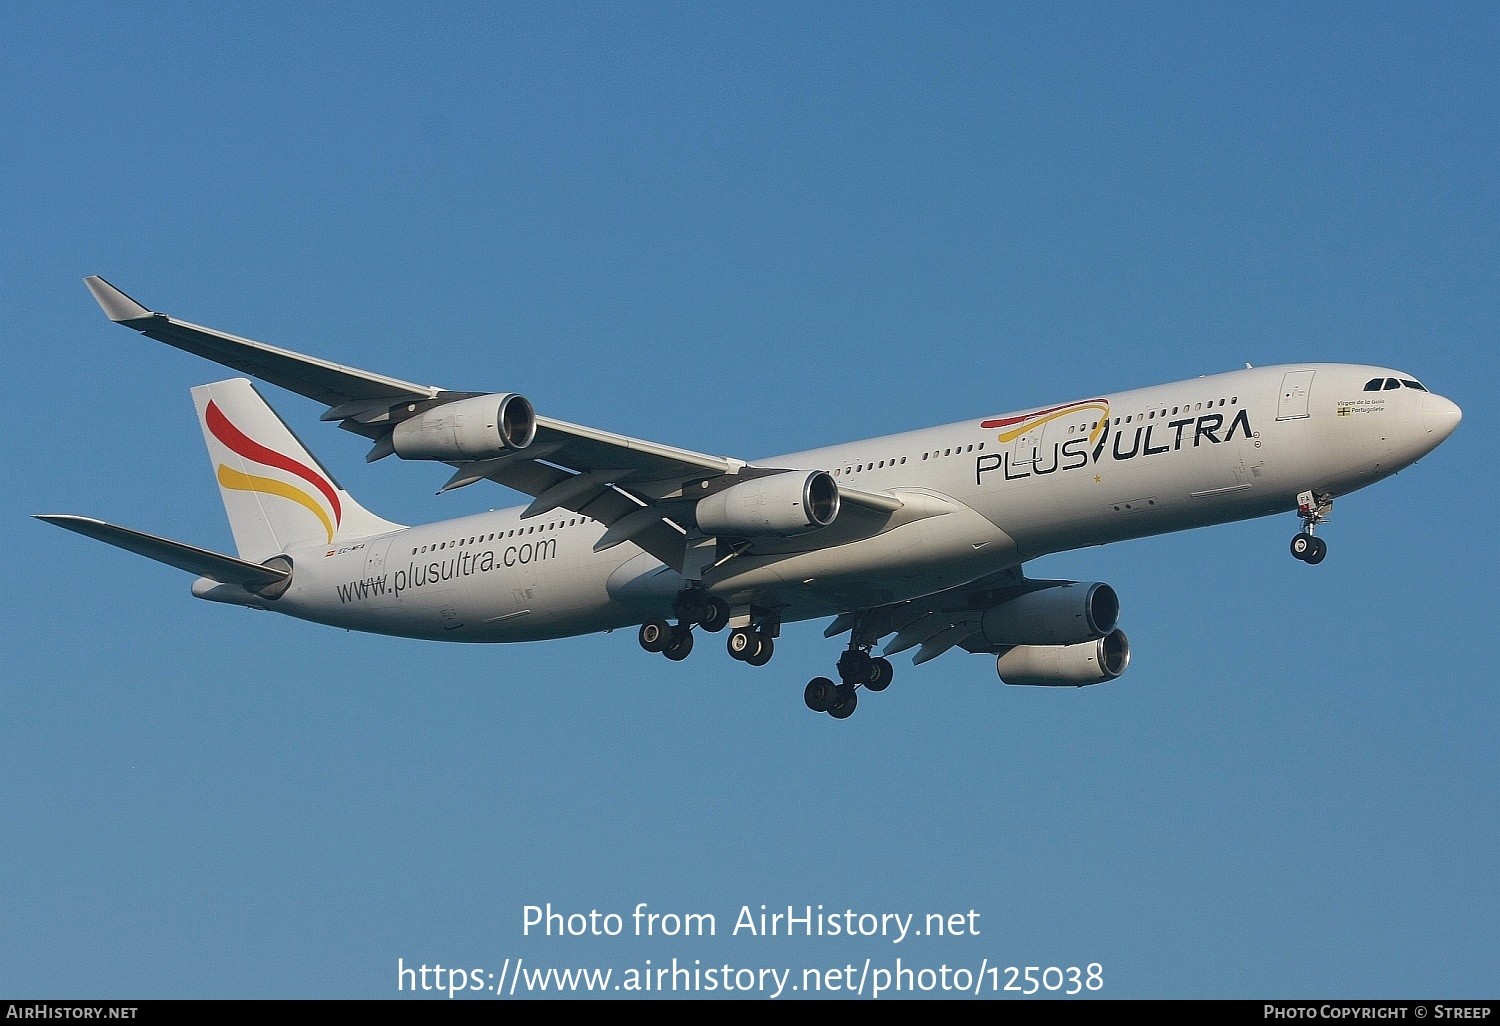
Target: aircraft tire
{"type": "Point", "coordinates": [764, 648]}
{"type": "Point", "coordinates": [1302, 544]}
{"type": "Point", "coordinates": [714, 616]}
{"type": "Point", "coordinates": [844, 701]}
{"type": "Point", "coordinates": [881, 674]}
{"type": "Point", "coordinates": [741, 642]}
{"type": "Point", "coordinates": [854, 666]}
{"type": "Point", "coordinates": [819, 694]}
{"type": "Point", "coordinates": [681, 644]}
{"type": "Point", "coordinates": [655, 634]}
{"type": "Point", "coordinates": [1317, 553]}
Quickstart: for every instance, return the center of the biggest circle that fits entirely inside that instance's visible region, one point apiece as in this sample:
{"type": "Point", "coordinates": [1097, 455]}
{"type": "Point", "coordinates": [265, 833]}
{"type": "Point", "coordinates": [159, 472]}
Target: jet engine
{"type": "Point", "coordinates": [1064, 614]}
{"type": "Point", "coordinates": [1090, 662]}
{"type": "Point", "coordinates": [478, 428]}
{"type": "Point", "coordinates": [779, 506]}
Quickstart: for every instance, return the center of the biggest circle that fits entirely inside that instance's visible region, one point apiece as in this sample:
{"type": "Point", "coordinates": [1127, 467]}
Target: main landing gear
{"type": "Point", "coordinates": [751, 645]}
{"type": "Point", "coordinates": [752, 642]}
{"type": "Point", "coordinates": [857, 669]}
{"type": "Point", "coordinates": [692, 607]}
{"type": "Point", "coordinates": [1313, 509]}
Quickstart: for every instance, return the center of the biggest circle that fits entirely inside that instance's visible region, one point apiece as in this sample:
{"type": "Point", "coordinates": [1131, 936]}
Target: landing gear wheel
{"type": "Point", "coordinates": [763, 650]}
{"type": "Point", "coordinates": [1319, 550]}
{"type": "Point", "coordinates": [854, 667]}
{"type": "Point", "coordinates": [679, 645]}
{"type": "Point", "coordinates": [1303, 544]}
{"type": "Point", "coordinates": [714, 615]}
{"type": "Point", "coordinates": [655, 634]}
{"type": "Point", "coordinates": [844, 701]}
{"type": "Point", "coordinates": [880, 675]}
{"type": "Point", "coordinates": [820, 694]}
{"type": "Point", "coordinates": [741, 643]}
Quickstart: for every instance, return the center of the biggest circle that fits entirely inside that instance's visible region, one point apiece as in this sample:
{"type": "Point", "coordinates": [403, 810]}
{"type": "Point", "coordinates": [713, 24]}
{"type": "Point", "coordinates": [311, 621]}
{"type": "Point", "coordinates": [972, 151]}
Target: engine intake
{"type": "Point", "coordinates": [780, 506]}
{"type": "Point", "coordinates": [478, 428]}
{"type": "Point", "coordinates": [1092, 662]}
{"type": "Point", "coordinates": [1065, 614]}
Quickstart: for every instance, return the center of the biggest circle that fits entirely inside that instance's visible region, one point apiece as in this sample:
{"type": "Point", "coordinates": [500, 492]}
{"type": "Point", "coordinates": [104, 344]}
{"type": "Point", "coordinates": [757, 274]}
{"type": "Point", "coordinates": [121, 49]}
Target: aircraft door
{"type": "Point", "coordinates": [1296, 390]}
{"type": "Point", "coordinates": [1027, 451]}
{"type": "Point", "coordinates": [375, 568]}
{"type": "Point", "coordinates": [375, 555]}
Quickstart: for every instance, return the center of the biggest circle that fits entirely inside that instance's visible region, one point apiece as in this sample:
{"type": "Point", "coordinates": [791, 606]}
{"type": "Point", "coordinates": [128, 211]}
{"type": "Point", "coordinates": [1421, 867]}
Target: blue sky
{"type": "Point", "coordinates": [747, 231]}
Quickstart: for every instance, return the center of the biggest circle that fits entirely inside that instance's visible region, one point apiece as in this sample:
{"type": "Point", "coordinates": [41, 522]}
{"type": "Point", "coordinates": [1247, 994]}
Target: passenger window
{"type": "Point", "coordinates": [1391, 383]}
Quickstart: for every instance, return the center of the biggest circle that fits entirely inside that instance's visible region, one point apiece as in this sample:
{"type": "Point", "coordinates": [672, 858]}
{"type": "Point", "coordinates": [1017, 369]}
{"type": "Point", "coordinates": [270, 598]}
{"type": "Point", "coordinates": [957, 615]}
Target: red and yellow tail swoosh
{"type": "Point", "coordinates": [243, 445]}
{"type": "Point", "coordinates": [1018, 426]}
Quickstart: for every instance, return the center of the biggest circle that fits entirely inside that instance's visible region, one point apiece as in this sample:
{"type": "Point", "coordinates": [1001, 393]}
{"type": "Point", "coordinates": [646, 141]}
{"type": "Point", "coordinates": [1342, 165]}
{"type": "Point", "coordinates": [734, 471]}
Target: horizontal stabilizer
{"type": "Point", "coordinates": [203, 562]}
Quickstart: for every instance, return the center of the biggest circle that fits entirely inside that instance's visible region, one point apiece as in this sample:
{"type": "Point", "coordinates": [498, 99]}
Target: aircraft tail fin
{"type": "Point", "coordinates": [278, 496]}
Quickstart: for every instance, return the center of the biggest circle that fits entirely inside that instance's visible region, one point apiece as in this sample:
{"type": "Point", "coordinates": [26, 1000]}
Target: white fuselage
{"type": "Point", "coordinates": [978, 496]}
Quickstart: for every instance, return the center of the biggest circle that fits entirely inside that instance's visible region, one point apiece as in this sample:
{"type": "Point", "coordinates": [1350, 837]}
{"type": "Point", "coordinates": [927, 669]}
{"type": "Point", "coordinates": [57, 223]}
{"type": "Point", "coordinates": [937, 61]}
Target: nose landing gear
{"type": "Point", "coordinates": [1313, 509]}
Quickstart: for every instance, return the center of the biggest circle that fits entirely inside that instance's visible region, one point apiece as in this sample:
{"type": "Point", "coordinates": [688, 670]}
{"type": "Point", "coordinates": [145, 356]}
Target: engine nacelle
{"type": "Point", "coordinates": [478, 428]}
{"type": "Point", "coordinates": [780, 506]}
{"type": "Point", "coordinates": [1092, 662]}
{"type": "Point", "coordinates": [1066, 614]}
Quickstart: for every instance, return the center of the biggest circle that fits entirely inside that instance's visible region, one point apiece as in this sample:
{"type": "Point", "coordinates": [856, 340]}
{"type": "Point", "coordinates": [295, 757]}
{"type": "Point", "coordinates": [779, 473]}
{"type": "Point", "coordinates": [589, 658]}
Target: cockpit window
{"type": "Point", "coordinates": [1373, 385]}
{"type": "Point", "coordinates": [1409, 383]}
{"type": "Point", "coordinates": [1391, 383]}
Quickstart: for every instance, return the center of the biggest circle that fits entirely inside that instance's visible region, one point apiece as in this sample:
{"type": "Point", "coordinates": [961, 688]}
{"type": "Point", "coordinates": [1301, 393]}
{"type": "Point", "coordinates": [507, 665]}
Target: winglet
{"type": "Point", "coordinates": [117, 306]}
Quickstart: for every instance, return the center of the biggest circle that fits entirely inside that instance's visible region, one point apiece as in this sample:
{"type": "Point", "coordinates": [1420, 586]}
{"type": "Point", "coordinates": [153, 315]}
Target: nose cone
{"type": "Point", "coordinates": [1440, 417]}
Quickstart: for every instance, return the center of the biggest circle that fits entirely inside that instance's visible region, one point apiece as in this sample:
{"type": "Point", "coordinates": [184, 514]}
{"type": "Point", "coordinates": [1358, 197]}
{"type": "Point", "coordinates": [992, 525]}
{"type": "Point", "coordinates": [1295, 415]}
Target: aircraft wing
{"type": "Point", "coordinates": [628, 484]}
{"type": "Point", "coordinates": [325, 382]}
{"type": "Point", "coordinates": [937, 622]}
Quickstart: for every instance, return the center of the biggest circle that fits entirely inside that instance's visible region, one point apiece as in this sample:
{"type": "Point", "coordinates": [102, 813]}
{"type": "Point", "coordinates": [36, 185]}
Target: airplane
{"type": "Point", "coordinates": [912, 540]}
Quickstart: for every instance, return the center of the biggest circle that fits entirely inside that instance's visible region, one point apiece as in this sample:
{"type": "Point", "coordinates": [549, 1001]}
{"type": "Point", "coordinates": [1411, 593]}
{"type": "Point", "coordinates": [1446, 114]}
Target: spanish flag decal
{"type": "Point", "coordinates": [242, 445]}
